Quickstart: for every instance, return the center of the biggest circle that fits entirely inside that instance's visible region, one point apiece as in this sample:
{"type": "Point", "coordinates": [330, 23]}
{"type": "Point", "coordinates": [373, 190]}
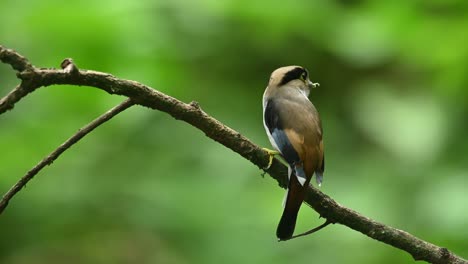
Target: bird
{"type": "Point", "coordinates": [294, 129]}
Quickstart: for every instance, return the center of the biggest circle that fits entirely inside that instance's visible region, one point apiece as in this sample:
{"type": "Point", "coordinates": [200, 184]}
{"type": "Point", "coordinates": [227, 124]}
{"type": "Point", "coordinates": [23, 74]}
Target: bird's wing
{"type": "Point", "coordinates": [297, 132]}
{"type": "Point", "coordinates": [275, 125]}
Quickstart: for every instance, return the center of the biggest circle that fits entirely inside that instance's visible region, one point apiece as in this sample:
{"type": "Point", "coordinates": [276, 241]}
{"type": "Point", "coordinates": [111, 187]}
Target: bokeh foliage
{"type": "Point", "coordinates": [145, 188]}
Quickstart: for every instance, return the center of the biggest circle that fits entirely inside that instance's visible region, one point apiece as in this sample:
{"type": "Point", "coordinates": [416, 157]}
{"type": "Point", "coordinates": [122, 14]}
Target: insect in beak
{"type": "Point", "coordinates": [313, 85]}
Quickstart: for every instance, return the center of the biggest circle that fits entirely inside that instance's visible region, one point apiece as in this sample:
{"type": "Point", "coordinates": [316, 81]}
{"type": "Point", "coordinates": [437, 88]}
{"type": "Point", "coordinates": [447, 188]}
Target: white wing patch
{"type": "Point", "coordinates": [287, 190]}
{"type": "Point", "coordinates": [301, 180]}
{"type": "Point", "coordinates": [285, 198]}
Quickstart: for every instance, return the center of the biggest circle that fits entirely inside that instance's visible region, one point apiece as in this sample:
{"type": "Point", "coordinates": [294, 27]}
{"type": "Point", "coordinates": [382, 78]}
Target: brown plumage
{"type": "Point", "coordinates": [294, 128]}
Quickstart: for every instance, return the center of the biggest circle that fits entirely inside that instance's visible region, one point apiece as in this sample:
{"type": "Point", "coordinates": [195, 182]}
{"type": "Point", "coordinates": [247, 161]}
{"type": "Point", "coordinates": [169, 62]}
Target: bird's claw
{"type": "Point", "coordinates": [271, 155]}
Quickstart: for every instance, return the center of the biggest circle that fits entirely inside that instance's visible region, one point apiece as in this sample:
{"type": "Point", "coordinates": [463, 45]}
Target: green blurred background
{"type": "Point", "coordinates": [145, 188]}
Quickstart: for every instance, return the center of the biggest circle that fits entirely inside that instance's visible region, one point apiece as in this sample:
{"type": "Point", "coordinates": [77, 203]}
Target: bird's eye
{"type": "Point", "coordinates": [304, 76]}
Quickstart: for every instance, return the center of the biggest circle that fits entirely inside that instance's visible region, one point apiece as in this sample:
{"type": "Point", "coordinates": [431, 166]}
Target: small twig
{"type": "Point", "coordinates": [313, 230]}
{"type": "Point", "coordinates": [57, 152]}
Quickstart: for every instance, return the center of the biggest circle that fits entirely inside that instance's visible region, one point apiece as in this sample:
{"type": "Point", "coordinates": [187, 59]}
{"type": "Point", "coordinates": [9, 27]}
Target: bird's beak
{"type": "Point", "coordinates": [313, 85]}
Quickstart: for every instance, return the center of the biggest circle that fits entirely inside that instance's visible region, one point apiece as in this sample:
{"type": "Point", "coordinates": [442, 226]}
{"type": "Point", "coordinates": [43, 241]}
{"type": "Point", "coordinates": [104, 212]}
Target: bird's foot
{"type": "Point", "coordinates": [271, 155]}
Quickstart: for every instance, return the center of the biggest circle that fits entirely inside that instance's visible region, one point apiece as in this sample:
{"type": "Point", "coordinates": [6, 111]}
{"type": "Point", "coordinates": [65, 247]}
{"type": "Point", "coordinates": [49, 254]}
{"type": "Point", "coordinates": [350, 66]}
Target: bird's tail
{"type": "Point", "coordinates": [294, 198]}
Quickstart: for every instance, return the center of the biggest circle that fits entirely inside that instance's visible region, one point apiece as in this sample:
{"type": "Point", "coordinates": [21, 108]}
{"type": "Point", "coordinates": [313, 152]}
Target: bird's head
{"type": "Point", "coordinates": [291, 77]}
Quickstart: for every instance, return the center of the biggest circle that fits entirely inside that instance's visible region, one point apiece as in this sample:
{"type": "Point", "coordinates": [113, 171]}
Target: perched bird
{"type": "Point", "coordinates": [295, 131]}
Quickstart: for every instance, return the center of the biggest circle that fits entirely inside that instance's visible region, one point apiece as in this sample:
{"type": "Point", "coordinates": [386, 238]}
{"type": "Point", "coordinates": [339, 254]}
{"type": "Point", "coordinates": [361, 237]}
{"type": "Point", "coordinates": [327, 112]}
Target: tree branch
{"type": "Point", "coordinates": [17, 61]}
{"type": "Point", "coordinates": [194, 115]}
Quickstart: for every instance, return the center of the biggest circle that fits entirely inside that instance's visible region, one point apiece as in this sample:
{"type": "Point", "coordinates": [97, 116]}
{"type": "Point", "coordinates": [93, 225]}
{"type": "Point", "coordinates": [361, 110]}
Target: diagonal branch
{"type": "Point", "coordinates": [57, 152]}
{"type": "Point", "coordinates": [195, 116]}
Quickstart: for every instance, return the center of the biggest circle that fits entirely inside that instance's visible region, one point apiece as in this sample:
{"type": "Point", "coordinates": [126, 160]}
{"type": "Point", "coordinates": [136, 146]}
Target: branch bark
{"type": "Point", "coordinates": [33, 78]}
